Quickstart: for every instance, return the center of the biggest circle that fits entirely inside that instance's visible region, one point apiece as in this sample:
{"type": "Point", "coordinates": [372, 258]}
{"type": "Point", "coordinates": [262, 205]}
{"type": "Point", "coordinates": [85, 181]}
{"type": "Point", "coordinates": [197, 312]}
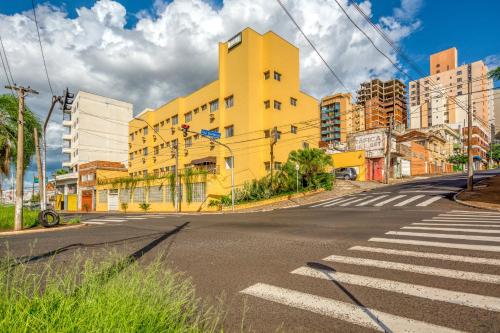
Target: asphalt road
{"type": "Point", "coordinates": [398, 258]}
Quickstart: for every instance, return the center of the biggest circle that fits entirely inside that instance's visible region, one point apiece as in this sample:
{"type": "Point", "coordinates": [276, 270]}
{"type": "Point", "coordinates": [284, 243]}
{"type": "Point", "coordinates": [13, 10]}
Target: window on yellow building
{"type": "Point", "coordinates": [131, 156]}
{"type": "Point", "coordinates": [267, 75]}
{"type": "Point", "coordinates": [204, 107]}
{"type": "Point", "coordinates": [175, 120]}
{"type": "Point", "coordinates": [188, 117]}
{"type": "Point", "coordinates": [267, 133]}
{"type": "Point", "coordinates": [267, 166]}
{"type": "Point", "coordinates": [277, 76]}
{"type": "Point", "coordinates": [156, 150]}
{"type": "Point", "coordinates": [188, 142]}
{"type": "Point", "coordinates": [145, 131]}
{"type": "Point", "coordinates": [162, 123]}
{"type": "Point", "coordinates": [229, 102]}
{"type": "Point", "coordinates": [145, 151]}
{"type": "Point", "coordinates": [267, 104]}
{"type": "Point", "coordinates": [305, 145]}
{"type": "Point", "coordinates": [277, 165]}
{"type": "Point", "coordinates": [214, 105]}
{"type": "Point", "coordinates": [196, 111]}
{"type": "Point", "coordinates": [131, 136]}
{"type": "Point", "coordinates": [293, 129]}
{"type": "Point", "coordinates": [229, 131]}
{"type": "Point", "coordinates": [293, 101]}
{"type": "Point", "coordinates": [156, 127]}
{"type": "Point", "coordinates": [277, 105]}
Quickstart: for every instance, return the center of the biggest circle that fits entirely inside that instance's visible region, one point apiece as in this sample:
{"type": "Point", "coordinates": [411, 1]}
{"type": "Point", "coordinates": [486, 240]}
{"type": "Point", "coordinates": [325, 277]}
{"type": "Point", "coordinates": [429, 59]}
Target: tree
{"type": "Point", "coordinates": [494, 74]}
{"type": "Point", "coordinates": [313, 164]}
{"type": "Point", "coordinates": [8, 133]}
{"type": "Point", "coordinates": [59, 172]}
{"type": "Point", "coordinates": [458, 159]}
{"type": "Point", "coordinates": [494, 152]}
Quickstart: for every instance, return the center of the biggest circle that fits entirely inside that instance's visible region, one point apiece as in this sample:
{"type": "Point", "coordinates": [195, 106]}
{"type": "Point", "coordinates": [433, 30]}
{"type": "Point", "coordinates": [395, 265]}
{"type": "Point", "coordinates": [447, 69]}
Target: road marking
{"type": "Point", "coordinates": [427, 191]}
{"type": "Point", "coordinates": [91, 222]}
{"type": "Point", "coordinates": [479, 231]}
{"type": "Point", "coordinates": [435, 294]}
{"type": "Point", "coordinates": [441, 272]}
{"type": "Point", "coordinates": [353, 201]}
{"type": "Point", "coordinates": [380, 204]}
{"type": "Point", "coordinates": [106, 220]}
{"type": "Point", "coordinates": [372, 200]}
{"type": "Point", "coordinates": [469, 215]}
{"type": "Point", "coordinates": [344, 199]}
{"type": "Point", "coordinates": [474, 212]}
{"type": "Point", "coordinates": [488, 248]}
{"type": "Point", "coordinates": [358, 315]}
{"type": "Point", "coordinates": [450, 236]}
{"type": "Point", "coordinates": [407, 201]}
{"type": "Point", "coordinates": [327, 201]}
{"type": "Point", "coordinates": [429, 201]}
{"type": "Point", "coordinates": [461, 224]}
{"type": "Point", "coordinates": [486, 218]}
{"type": "Point", "coordinates": [135, 218]}
{"type": "Point", "coordinates": [455, 220]}
{"type": "Point", "coordinates": [450, 257]}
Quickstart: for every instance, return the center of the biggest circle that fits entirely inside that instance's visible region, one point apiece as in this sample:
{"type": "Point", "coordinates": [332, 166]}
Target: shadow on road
{"type": "Point", "coordinates": [327, 270]}
{"type": "Point", "coordinates": [134, 256]}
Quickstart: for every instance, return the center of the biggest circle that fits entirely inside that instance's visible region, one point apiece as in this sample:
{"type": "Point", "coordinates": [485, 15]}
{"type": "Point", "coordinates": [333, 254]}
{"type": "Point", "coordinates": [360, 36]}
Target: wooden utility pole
{"type": "Point", "coordinates": [470, 165]}
{"type": "Point", "coordinates": [388, 151]}
{"type": "Point", "coordinates": [41, 189]}
{"type": "Point", "coordinates": [22, 92]}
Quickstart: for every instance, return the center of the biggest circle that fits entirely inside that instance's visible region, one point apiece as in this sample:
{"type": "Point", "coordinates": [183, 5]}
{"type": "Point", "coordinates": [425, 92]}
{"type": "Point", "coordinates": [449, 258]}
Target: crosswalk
{"type": "Point", "coordinates": [481, 268]}
{"type": "Point", "coordinates": [381, 199]}
{"type": "Point", "coordinates": [120, 219]}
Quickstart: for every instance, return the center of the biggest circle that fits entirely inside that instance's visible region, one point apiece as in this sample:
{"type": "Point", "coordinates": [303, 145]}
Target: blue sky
{"type": "Point", "coordinates": [471, 26]}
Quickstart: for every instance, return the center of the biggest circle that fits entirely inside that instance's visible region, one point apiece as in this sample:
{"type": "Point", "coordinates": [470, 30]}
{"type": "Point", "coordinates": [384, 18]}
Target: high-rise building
{"type": "Point", "coordinates": [96, 128]}
{"type": "Point", "coordinates": [442, 98]}
{"type": "Point", "coordinates": [495, 116]}
{"type": "Point", "coordinates": [256, 105]}
{"type": "Point", "coordinates": [339, 118]}
{"type": "Point", "coordinates": [381, 100]}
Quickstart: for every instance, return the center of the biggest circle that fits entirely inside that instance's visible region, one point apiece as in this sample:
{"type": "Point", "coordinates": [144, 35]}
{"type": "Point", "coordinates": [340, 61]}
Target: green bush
{"type": "Point", "coordinates": [117, 296]}
{"type": "Point", "coordinates": [145, 206]}
{"type": "Point", "coordinates": [30, 217]}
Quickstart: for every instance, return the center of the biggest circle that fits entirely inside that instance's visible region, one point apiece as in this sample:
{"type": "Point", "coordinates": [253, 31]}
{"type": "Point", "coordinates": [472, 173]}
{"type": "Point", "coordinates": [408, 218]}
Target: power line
{"type": "Point", "coordinates": [41, 48]}
{"type": "Point", "coordinates": [7, 61]}
{"type": "Point", "coordinates": [312, 45]}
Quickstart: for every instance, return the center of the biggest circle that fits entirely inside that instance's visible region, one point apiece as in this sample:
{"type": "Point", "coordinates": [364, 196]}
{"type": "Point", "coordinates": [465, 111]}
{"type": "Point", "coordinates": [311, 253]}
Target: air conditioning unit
{"type": "Point", "coordinates": [185, 152]}
{"type": "Point", "coordinates": [143, 160]}
{"type": "Point", "coordinates": [143, 139]}
{"type": "Point", "coordinates": [172, 129]}
{"type": "Point", "coordinates": [154, 159]}
{"type": "Point", "coordinates": [154, 138]}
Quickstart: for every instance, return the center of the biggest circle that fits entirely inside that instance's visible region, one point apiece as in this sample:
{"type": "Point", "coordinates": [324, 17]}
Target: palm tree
{"type": "Point", "coordinates": [8, 133]}
{"type": "Point", "coordinates": [312, 162]}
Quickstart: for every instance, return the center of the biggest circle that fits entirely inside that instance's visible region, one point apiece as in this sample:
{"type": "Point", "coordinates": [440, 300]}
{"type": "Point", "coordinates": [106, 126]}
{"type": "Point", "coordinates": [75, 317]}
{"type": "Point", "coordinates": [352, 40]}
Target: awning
{"type": "Point", "coordinates": [205, 160]}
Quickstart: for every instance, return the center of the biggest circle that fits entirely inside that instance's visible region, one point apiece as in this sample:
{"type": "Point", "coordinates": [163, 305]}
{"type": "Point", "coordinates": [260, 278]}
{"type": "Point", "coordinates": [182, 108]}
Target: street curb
{"type": "Point", "coordinates": [34, 231]}
{"type": "Point", "coordinates": [464, 203]}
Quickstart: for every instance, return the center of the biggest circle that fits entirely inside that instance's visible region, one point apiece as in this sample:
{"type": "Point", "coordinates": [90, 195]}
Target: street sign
{"type": "Point", "coordinates": [35, 180]}
{"type": "Point", "coordinates": [211, 134]}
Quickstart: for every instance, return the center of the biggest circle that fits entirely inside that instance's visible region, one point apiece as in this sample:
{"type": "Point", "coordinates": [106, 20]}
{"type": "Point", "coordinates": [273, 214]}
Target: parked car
{"type": "Point", "coordinates": [346, 173]}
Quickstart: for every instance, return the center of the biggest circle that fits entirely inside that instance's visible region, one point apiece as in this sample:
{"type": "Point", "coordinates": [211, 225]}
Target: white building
{"type": "Point", "coordinates": [96, 128]}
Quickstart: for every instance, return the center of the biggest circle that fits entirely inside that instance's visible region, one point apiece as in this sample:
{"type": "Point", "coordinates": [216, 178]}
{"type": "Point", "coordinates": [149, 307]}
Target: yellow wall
{"type": "Point", "coordinates": [351, 159]}
{"type": "Point", "coordinates": [241, 75]}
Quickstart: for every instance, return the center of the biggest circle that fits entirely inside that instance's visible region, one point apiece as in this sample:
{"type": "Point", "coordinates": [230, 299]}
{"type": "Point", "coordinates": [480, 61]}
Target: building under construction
{"type": "Point", "coordinates": [381, 100]}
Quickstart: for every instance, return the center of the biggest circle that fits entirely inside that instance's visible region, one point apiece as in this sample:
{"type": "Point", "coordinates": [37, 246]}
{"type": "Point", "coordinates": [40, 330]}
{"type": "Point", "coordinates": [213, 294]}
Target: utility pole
{"type": "Point", "coordinates": [274, 139]}
{"type": "Point", "coordinates": [22, 92]}
{"type": "Point", "coordinates": [470, 171]}
{"type": "Point", "coordinates": [41, 189]}
{"type": "Point", "coordinates": [178, 196]}
{"type": "Point", "coordinates": [388, 151]}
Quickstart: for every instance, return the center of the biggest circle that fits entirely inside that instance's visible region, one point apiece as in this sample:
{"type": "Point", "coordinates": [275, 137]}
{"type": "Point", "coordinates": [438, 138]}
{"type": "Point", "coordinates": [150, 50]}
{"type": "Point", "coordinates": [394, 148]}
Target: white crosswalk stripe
{"type": "Point", "coordinates": [327, 202]}
{"type": "Point", "coordinates": [442, 272]}
{"type": "Point", "coordinates": [435, 294]}
{"type": "Point", "coordinates": [482, 217]}
{"type": "Point", "coordinates": [380, 204]}
{"type": "Point", "coordinates": [429, 201]}
{"type": "Point", "coordinates": [372, 200]}
{"type": "Point", "coordinates": [358, 314]}
{"type": "Point", "coordinates": [353, 201]}
{"type": "Point", "coordinates": [475, 212]}
{"type": "Point", "coordinates": [450, 236]}
{"type": "Point", "coordinates": [337, 202]}
{"type": "Point", "coordinates": [370, 318]}
{"type": "Point", "coordinates": [470, 215]}
{"type": "Point", "coordinates": [407, 201]}
{"type": "Point", "coordinates": [459, 220]}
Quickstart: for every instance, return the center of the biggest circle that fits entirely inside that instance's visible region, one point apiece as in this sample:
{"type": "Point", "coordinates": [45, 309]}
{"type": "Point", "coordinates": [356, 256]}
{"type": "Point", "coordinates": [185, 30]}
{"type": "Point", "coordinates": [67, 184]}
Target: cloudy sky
{"type": "Point", "coordinates": [148, 55]}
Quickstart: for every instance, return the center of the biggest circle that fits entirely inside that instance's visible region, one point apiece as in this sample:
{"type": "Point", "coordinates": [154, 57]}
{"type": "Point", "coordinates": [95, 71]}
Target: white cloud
{"type": "Point", "coordinates": [492, 61]}
{"type": "Point", "coordinates": [172, 50]}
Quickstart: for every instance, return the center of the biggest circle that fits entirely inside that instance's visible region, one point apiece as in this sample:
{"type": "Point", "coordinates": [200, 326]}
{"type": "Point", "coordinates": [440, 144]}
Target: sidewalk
{"type": "Point", "coordinates": [486, 195]}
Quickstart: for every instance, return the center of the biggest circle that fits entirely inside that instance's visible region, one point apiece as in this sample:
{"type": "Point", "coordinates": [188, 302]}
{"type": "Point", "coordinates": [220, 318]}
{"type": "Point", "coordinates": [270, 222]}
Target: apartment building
{"type": "Point", "coordinates": [495, 116]}
{"type": "Point", "coordinates": [255, 101]}
{"type": "Point", "coordinates": [96, 128]}
{"type": "Point", "coordinates": [381, 100]}
{"type": "Point", "coordinates": [442, 98]}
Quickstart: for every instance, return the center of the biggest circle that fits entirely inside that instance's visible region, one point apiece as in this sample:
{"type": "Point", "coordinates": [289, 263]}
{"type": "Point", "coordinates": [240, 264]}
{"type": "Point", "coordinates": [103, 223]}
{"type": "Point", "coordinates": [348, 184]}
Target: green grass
{"type": "Point", "coordinates": [30, 217]}
{"type": "Point", "coordinates": [82, 296]}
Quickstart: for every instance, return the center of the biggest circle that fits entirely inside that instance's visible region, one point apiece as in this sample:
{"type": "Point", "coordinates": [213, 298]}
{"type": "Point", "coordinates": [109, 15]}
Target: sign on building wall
{"type": "Point", "coordinates": [373, 144]}
{"type": "Point", "coordinates": [236, 40]}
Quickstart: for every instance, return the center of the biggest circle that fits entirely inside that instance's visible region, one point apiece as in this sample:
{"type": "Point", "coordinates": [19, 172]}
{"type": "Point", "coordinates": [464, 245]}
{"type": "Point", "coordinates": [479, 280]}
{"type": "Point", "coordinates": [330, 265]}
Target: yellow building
{"type": "Point", "coordinates": [257, 91]}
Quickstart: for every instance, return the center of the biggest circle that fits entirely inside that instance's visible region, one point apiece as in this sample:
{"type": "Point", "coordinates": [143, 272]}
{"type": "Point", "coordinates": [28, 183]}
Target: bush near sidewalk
{"type": "Point", "coordinates": [83, 296]}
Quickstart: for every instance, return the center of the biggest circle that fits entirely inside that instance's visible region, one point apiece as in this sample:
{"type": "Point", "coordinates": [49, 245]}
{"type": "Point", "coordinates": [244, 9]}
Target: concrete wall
{"type": "Point", "coordinates": [353, 159]}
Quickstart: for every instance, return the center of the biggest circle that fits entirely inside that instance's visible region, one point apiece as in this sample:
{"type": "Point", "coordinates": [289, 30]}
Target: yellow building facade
{"type": "Point", "coordinates": [257, 94]}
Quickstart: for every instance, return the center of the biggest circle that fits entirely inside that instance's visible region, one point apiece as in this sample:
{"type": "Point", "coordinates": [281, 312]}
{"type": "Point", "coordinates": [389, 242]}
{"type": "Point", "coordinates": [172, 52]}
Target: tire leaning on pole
{"type": "Point", "coordinates": [48, 218]}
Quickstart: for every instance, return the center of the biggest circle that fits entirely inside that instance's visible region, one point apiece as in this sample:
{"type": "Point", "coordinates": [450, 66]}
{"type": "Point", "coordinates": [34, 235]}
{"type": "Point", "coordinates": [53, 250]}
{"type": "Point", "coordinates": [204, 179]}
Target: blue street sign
{"type": "Point", "coordinates": [211, 134]}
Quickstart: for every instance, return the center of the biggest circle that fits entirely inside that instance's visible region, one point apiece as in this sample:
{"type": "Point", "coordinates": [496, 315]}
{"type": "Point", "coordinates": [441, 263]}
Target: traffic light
{"type": "Point", "coordinates": [67, 100]}
{"type": "Point", "coordinates": [185, 129]}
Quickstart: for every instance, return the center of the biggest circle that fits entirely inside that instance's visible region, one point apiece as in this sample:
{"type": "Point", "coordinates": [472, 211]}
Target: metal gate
{"type": "Point", "coordinates": [112, 200]}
